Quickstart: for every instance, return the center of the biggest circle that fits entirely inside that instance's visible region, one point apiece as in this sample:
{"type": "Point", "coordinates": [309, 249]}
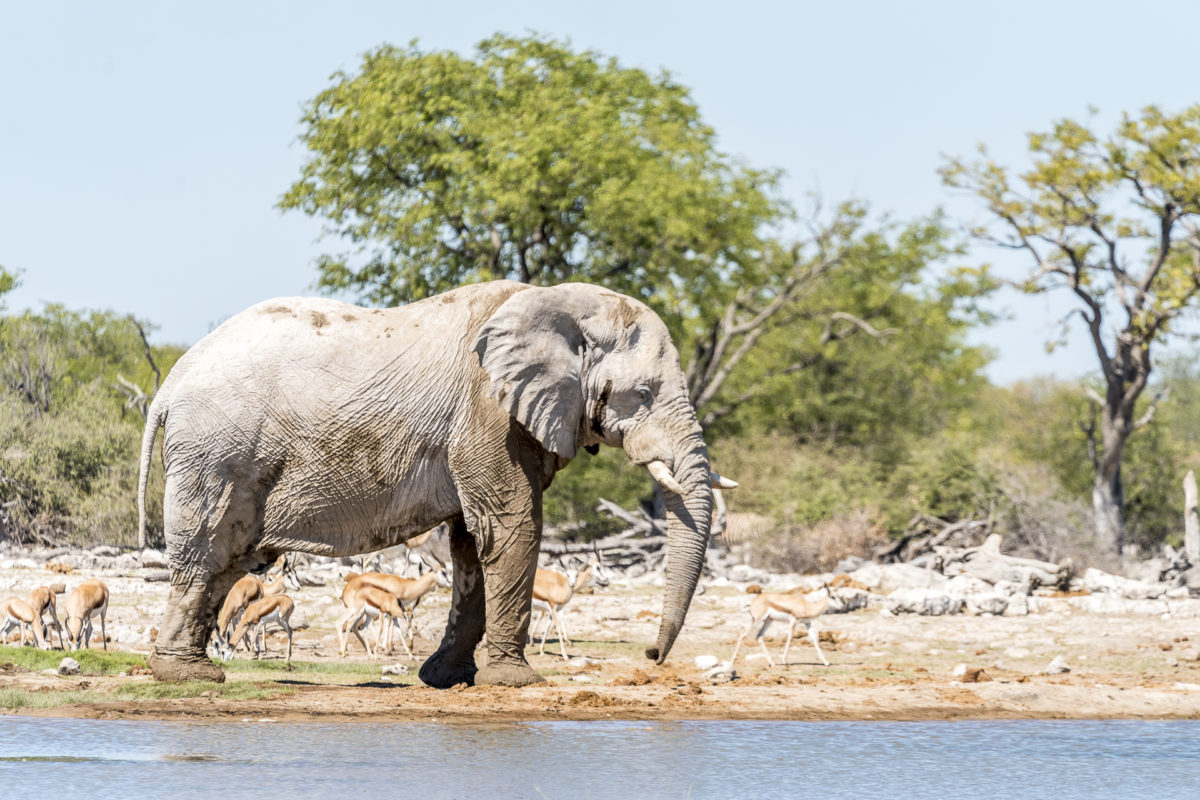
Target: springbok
{"type": "Point", "coordinates": [88, 599]}
{"type": "Point", "coordinates": [408, 593]}
{"type": "Point", "coordinates": [366, 600]}
{"type": "Point", "coordinates": [551, 591]}
{"type": "Point", "coordinates": [43, 600]}
{"type": "Point", "coordinates": [248, 589]}
{"type": "Point", "coordinates": [276, 608]}
{"type": "Point", "coordinates": [18, 614]}
{"type": "Point", "coordinates": [791, 608]}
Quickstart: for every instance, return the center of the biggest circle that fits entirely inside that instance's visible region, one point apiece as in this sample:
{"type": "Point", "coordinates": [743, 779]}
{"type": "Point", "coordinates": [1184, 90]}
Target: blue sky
{"type": "Point", "coordinates": [143, 145]}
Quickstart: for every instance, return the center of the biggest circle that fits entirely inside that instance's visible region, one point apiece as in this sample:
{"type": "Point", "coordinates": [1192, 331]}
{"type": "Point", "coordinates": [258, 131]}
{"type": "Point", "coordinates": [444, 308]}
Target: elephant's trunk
{"type": "Point", "coordinates": [689, 515]}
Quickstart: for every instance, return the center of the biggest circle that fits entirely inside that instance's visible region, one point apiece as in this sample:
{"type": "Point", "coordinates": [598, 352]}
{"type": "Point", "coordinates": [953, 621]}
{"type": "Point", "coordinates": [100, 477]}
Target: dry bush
{"type": "Point", "coordinates": [818, 547]}
{"type": "Point", "coordinates": [1036, 522]}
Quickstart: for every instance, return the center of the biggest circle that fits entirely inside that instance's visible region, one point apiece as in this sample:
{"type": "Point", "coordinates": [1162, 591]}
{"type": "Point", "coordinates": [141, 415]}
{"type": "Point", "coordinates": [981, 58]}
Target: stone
{"type": "Point", "coordinates": [1057, 666]}
{"type": "Point", "coordinates": [926, 602]}
{"type": "Point", "coordinates": [154, 559]}
{"type": "Point", "coordinates": [1019, 605]}
{"type": "Point", "coordinates": [965, 585]}
{"type": "Point", "coordinates": [706, 662]}
{"type": "Point", "coordinates": [1098, 581]}
{"type": "Point", "coordinates": [721, 673]}
{"type": "Point", "coordinates": [395, 669]}
{"type": "Point", "coordinates": [991, 603]}
{"type": "Point", "coordinates": [69, 666]}
{"type": "Point", "coordinates": [968, 674]}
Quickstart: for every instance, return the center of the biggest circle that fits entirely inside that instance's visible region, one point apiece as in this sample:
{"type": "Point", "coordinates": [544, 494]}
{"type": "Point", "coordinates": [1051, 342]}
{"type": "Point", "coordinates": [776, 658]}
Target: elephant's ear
{"type": "Point", "coordinates": [532, 350]}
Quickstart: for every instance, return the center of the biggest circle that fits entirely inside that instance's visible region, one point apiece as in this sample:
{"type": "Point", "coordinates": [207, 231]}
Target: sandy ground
{"type": "Point", "coordinates": [881, 666]}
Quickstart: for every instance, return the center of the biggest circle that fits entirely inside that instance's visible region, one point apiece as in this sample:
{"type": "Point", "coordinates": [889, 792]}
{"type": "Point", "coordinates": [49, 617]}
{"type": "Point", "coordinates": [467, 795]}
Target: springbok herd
{"type": "Point", "coordinates": [378, 600]}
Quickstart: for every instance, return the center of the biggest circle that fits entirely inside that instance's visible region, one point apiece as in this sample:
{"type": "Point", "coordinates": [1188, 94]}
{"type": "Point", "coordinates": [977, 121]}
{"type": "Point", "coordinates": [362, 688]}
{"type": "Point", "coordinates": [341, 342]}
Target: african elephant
{"type": "Point", "coordinates": [313, 425]}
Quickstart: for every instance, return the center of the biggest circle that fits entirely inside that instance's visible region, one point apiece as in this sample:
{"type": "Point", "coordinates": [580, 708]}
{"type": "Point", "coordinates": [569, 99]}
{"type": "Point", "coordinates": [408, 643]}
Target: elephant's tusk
{"type": "Point", "coordinates": [662, 473]}
{"type": "Point", "coordinates": [721, 482]}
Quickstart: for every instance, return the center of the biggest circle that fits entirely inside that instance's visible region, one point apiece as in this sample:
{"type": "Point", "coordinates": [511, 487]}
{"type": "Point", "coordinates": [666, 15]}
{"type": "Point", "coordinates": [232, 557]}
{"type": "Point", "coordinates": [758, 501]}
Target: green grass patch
{"type": "Point", "coordinates": [92, 661]}
{"type": "Point", "coordinates": [316, 672]}
{"type": "Point", "coordinates": [276, 667]}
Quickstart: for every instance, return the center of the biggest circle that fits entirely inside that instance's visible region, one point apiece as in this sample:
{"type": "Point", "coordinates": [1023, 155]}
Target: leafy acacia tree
{"type": "Point", "coordinates": [1115, 221]}
{"type": "Point", "coordinates": [529, 162]}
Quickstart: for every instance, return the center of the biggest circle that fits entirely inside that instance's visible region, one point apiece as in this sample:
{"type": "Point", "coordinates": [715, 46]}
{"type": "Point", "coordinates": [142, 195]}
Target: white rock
{"type": "Point", "coordinates": [706, 662]}
{"type": "Point", "coordinates": [721, 673]}
{"type": "Point", "coordinates": [154, 558]}
{"type": "Point", "coordinates": [1098, 581]}
{"type": "Point", "coordinates": [1058, 665]}
{"type": "Point", "coordinates": [582, 661]}
{"type": "Point", "coordinates": [964, 586]}
{"type": "Point", "coordinates": [1019, 605]}
{"type": "Point", "coordinates": [926, 602]}
{"type": "Point", "coordinates": [847, 600]}
{"type": "Point", "coordinates": [987, 603]}
{"type": "Point", "coordinates": [69, 666]}
{"type": "Point", "coordinates": [887, 578]}
{"type": "Point", "coordinates": [395, 669]}
{"type": "Point", "coordinates": [1010, 588]}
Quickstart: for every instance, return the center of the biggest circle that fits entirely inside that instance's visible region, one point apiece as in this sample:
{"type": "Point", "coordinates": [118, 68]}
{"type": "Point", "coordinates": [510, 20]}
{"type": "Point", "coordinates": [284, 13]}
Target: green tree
{"type": "Point", "coordinates": [1114, 221]}
{"type": "Point", "coordinates": [68, 442]}
{"type": "Point", "coordinates": [8, 282]}
{"type": "Point", "coordinates": [873, 352]}
{"type": "Point", "coordinates": [530, 162]}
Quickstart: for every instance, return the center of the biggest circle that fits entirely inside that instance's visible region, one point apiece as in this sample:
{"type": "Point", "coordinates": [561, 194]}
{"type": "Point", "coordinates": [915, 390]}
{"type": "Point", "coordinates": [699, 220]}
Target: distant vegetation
{"type": "Point", "coordinates": [830, 369]}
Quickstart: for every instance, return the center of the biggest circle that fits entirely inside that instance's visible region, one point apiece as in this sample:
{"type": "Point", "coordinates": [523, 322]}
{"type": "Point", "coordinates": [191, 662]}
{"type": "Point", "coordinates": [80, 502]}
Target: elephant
{"type": "Point", "coordinates": [314, 425]}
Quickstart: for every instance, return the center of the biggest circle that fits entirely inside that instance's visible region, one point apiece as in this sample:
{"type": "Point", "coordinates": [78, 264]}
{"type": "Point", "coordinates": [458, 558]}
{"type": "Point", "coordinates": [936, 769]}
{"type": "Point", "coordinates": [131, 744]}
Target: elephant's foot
{"type": "Point", "coordinates": [442, 672]}
{"type": "Point", "coordinates": [173, 669]}
{"type": "Point", "coordinates": [505, 674]}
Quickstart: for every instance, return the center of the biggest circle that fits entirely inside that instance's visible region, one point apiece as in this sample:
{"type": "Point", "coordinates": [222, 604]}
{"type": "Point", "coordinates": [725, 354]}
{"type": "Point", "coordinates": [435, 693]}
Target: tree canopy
{"type": "Point", "coordinates": [530, 162]}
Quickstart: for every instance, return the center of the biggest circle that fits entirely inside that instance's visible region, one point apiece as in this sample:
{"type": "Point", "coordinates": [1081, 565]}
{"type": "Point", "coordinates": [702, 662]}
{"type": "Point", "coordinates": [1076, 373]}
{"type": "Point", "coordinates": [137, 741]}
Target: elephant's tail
{"type": "Point", "coordinates": [154, 418]}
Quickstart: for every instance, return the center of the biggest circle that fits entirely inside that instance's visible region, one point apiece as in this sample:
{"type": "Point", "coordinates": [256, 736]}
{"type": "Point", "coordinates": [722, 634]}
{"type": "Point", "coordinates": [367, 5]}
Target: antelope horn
{"type": "Point", "coordinates": [721, 482]}
{"type": "Point", "coordinates": [662, 473]}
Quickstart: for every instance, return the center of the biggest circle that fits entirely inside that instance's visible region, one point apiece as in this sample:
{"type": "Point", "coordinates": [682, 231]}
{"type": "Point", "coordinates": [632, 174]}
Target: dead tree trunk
{"type": "Point", "coordinates": [1191, 519]}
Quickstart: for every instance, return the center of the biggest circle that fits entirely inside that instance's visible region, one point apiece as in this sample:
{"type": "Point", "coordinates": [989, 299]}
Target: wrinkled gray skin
{"type": "Point", "coordinates": [312, 425]}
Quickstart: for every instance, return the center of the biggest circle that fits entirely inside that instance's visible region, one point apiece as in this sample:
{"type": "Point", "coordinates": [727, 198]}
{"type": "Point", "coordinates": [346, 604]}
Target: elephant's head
{"type": "Point", "coordinates": [579, 365]}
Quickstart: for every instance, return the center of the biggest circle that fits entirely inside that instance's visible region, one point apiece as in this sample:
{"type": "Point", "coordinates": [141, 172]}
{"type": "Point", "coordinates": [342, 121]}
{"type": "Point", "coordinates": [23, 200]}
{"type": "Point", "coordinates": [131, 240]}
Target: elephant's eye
{"type": "Point", "coordinates": [644, 394]}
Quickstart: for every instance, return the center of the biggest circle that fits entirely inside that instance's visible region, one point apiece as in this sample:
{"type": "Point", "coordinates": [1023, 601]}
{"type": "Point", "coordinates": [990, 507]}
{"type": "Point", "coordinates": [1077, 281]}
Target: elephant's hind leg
{"type": "Point", "coordinates": [204, 542]}
{"type": "Point", "coordinates": [179, 652]}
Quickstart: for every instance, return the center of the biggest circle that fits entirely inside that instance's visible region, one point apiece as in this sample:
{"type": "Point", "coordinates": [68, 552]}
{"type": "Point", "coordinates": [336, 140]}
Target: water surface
{"type": "Point", "coordinates": [42, 758]}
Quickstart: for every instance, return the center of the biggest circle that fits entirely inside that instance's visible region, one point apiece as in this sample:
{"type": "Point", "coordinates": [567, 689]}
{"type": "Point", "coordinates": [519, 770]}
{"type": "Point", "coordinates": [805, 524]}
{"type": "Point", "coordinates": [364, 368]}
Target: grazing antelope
{"type": "Point", "coordinates": [18, 614]}
{"type": "Point", "coordinates": [43, 599]}
{"type": "Point", "coordinates": [370, 601]}
{"type": "Point", "coordinates": [276, 608]}
{"type": "Point", "coordinates": [551, 591]}
{"type": "Point", "coordinates": [766, 608]}
{"type": "Point", "coordinates": [248, 589]}
{"type": "Point", "coordinates": [408, 593]}
{"type": "Point", "coordinates": [88, 599]}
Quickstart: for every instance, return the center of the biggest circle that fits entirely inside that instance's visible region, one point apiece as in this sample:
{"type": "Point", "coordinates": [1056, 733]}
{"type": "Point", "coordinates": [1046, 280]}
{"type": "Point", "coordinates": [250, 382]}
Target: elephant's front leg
{"type": "Point", "coordinates": [508, 550]}
{"type": "Point", "coordinates": [454, 661]}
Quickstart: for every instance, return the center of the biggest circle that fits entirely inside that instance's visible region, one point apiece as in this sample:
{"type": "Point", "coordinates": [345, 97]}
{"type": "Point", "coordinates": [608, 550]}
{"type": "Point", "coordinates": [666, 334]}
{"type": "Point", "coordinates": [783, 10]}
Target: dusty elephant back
{"type": "Point", "coordinates": [332, 419]}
